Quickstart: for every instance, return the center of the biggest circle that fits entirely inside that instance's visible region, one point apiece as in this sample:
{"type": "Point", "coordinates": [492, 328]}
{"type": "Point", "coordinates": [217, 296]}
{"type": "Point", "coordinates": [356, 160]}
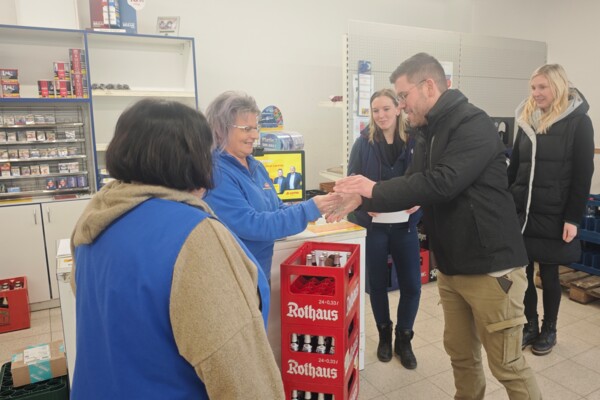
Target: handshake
{"type": "Point", "coordinates": [346, 197]}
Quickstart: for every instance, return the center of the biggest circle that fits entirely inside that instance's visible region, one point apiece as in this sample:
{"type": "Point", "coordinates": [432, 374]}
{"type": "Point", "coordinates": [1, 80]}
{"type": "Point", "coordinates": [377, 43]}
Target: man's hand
{"type": "Point", "coordinates": [413, 210]}
{"type": "Point", "coordinates": [569, 232]}
{"type": "Point", "coordinates": [355, 184]}
{"type": "Point", "coordinates": [348, 203]}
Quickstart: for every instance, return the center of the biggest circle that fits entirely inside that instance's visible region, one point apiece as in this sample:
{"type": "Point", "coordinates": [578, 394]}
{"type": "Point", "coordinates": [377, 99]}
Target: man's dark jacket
{"type": "Point", "coordinates": [458, 176]}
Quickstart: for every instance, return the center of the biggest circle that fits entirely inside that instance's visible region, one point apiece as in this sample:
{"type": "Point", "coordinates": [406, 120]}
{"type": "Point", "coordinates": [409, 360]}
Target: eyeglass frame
{"type": "Point", "coordinates": [402, 96]}
{"type": "Point", "coordinates": [247, 128]}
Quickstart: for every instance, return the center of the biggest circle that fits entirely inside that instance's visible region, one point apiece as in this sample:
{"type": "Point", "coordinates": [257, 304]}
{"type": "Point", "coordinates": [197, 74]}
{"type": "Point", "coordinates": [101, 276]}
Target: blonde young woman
{"type": "Point", "coordinates": [549, 175]}
{"type": "Point", "coordinates": [383, 151]}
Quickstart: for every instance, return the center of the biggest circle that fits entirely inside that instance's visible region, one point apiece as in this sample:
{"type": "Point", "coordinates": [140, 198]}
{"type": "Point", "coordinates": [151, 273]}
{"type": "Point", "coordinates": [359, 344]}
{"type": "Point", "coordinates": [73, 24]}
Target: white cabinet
{"type": "Point", "coordinates": [59, 220]}
{"type": "Point", "coordinates": [23, 251]}
{"type": "Point", "coordinates": [29, 237]}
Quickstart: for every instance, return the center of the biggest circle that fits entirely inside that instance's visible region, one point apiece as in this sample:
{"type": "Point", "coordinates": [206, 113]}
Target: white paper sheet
{"type": "Point", "coordinates": [391, 217]}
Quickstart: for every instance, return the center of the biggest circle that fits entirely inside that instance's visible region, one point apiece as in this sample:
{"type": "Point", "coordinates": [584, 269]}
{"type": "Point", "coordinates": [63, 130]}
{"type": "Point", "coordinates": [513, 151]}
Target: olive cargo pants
{"type": "Point", "coordinates": [485, 310]}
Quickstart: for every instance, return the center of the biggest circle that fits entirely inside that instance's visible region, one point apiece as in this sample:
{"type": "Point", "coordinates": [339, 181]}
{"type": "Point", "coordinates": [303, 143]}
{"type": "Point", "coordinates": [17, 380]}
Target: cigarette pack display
{"type": "Point", "coordinates": [16, 316]}
{"type": "Point", "coordinates": [50, 184]}
{"type": "Point", "coordinates": [46, 89]}
{"type": "Point", "coordinates": [24, 153]}
{"type": "Point", "coordinates": [70, 135]}
{"type": "Point", "coordinates": [62, 183]}
{"type": "Point", "coordinates": [29, 119]}
{"type": "Point", "coordinates": [82, 181]}
{"type": "Point", "coordinates": [34, 153]}
{"type": "Point", "coordinates": [79, 86]}
{"type": "Point", "coordinates": [74, 166]}
{"type": "Point", "coordinates": [2, 136]}
{"type": "Point", "coordinates": [63, 167]}
{"type": "Point", "coordinates": [40, 135]}
{"type": "Point", "coordinates": [72, 151]}
{"type": "Point", "coordinates": [31, 136]}
{"type": "Point", "coordinates": [14, 189]}
{"type": "Point", "coordinates": [21, 136]}
{"type": "Point", "coordinates": [49, 118]}
{"type": "Point", "coordinates": [1, 120]}
{"type": "Point", "coordinates": [13, 154]}
{"type": "Point", "coordinates": [11, 136]}
{"type": "Point", "coordinates": [44, 169]}
{"type": "Point", "coordinates": [52, 152]}
{"type": "Point", "coordinates": [50, 136]}
{"type": "Point", "coordinates": [2, 188]}
{"type": "Point", "coordinates": [11, 90]}
{"type": "Point", "coordinates": [15, 171]}
{"type": "Point", "coordinates": [71, 182]}
{"type": "Point", "coordinates": [5, 169]}
{"type": "Point", "coordinates": [78, 62]}
{"type": "Point", "coordinates": [128, 17]}
{"type": "Point", "coordinates": [9, 75]}
{"type": "Point", "coordinates": [25, 170]}
{"type": "Point", "coordinates": [35, 169]}
{"type": "Point", "coordinates": [43, 152]}
{"type": "Point", "coordinates": [62, 71]}
{"type": "Point", "coordinates": [20, 119]}
{"type": "Point", "coordinates": [63, 152]}
{"type": "Point", "coordinates": [64, 89]}
{"type": "Point", "coordinates": [3, 154]}
{"type": "Point", "coordinates": [9, 120]}
{"type": "Point", "coordinates": [39, 118]}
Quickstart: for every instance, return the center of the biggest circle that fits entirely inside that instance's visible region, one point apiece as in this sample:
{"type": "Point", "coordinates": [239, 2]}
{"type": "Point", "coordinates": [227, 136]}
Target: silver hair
{"type": "Point", "coordinates": [224, 110]}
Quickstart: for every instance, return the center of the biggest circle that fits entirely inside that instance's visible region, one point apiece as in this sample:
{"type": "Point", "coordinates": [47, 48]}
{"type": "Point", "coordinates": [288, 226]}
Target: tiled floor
{"type": "Point", "coordinates": [570, 372]}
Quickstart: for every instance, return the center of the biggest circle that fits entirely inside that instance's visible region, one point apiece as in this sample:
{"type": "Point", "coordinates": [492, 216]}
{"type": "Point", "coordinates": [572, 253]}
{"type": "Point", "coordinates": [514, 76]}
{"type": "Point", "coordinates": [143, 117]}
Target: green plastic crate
{"type": "Point", "coordinates": [52, 389]}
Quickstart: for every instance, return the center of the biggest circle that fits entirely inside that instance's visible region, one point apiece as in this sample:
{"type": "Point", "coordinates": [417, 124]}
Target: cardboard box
{"type": "Point", "coordinates": [10, 89]}
{"type": "Point", "coordinates": [62, 70]}
{"type": "Point", "coordinates": [38, 363]}
{"type": "Point", "coordinates": [46, 89]}
{"type": "Point", "coordinates": [9, 75]}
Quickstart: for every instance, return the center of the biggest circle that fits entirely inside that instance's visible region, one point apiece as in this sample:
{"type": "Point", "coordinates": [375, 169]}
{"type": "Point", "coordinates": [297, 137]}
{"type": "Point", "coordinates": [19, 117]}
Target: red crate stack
{"type": "Point", "coordinates": [14, 304]}
{"type": "Point", "coordinates": [320, 321]}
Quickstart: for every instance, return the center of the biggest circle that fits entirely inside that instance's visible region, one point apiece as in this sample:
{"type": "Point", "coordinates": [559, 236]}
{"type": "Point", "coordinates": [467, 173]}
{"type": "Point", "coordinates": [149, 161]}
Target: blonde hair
{"type": "Point", "coordinates": [374, 131]}
{"type": "Point", "coordinates": [559, 86]}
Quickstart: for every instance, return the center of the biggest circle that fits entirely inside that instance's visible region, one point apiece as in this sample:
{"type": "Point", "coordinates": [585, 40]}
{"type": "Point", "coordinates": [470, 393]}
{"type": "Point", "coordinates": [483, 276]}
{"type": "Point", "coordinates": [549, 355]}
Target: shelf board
{"type": "Point", "coordinates": [44, 192]}
{"type": "Point", "coordinates": [142, 93]}
{"type": "Point", "coordinates": [31, 159]}
{"type": "Point", "coordinates": [52, 175]}
{"type": "Point", "coordinates": [40, 100]}
{"type": "Point", "coordinates": [59, 141]}
{"type": "Point", "coordinates": [32, 126]}
{"type": "Point", "coordinates": [331, 104]}
{"type": "Point", "coordinates": [585, 268]}
{"type": "Point", "coordinates": [333, 173]}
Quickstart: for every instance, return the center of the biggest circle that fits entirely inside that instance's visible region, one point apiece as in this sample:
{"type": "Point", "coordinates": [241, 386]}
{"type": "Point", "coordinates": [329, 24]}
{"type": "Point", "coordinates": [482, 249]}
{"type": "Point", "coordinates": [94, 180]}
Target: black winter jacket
{"type": "Point", "coordinates": [462, 186]}
{"type": "Point", "coordinates": [367, 159]}
{"type": "Point", "coordinates": [550, 176]}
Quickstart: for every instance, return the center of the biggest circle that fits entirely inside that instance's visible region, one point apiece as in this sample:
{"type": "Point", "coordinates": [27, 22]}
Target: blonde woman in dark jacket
{"type": "Point", "coordinates": [549, 175]}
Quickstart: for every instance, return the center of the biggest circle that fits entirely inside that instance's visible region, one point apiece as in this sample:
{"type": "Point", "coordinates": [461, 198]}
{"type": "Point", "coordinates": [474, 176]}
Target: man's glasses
{"type": "Point", "coordinates": [247, 128]}
{"type": "Point", "coordinates": [403, 95]}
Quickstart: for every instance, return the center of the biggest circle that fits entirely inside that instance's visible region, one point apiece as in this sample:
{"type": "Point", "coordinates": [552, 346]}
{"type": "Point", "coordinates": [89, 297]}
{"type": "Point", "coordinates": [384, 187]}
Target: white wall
{"type": "Point", "coordinates": [290, 53]}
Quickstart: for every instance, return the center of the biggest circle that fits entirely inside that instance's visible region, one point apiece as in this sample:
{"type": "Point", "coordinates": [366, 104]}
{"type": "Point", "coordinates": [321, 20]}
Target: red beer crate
{"type": "Point", "coordinates": [348, 391]}
{"type": "Point", "coordinates": [317, 295]}
{"type": "Point", "coordinates": [14, 304]}
{"type": "Point", "coordinates": [331, 366]}
{"type": "Point", "coordinates": [424, 259]}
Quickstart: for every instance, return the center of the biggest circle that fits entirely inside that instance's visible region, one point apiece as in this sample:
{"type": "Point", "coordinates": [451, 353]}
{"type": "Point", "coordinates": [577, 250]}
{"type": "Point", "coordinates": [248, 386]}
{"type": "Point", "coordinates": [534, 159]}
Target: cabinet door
{"type": "Point", "coordinates": [59, 220]}
{"type": "Point", "coordinates": [22, 249]}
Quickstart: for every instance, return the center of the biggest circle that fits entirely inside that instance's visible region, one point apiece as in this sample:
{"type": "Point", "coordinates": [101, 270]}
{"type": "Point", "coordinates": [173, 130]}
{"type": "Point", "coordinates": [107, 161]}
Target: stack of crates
{"type": "Point", "coordinates": [14, 304]}
{"type": "Point", "coordinates": [320, 326]}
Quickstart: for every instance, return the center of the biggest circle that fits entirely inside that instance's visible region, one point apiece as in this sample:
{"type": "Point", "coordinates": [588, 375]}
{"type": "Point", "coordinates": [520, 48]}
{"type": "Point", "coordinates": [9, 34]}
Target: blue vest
{"type": "Point", "coordinates": [123, 295]}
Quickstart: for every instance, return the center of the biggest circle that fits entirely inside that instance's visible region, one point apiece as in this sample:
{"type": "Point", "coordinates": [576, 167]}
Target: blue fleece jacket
{"type": "Point", "coordinates": [245, 200]}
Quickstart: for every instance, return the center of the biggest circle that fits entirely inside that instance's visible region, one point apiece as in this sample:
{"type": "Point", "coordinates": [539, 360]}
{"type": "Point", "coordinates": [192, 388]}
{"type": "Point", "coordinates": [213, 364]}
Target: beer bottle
{"type": "Point", "coordinates": [294, 344]}
{"type": "Point", "coordinates": [320, 345]}
{"type": "Point", "coordinates": [307, 347]}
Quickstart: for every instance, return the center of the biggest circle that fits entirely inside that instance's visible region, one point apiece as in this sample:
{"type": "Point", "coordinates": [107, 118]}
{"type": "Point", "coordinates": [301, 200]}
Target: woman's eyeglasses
{"type": "Point", "coordinates": [247, 128]}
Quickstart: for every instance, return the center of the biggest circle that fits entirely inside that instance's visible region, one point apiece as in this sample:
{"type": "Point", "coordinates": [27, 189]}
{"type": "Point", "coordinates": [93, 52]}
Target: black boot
{"type": "Point", "coordinates": [546, 340]}
{"type": "Point", "coordinates": [531, 332]}
{"type": "Point", "coordinates": [403, 348]}
{"type": "Point", "coordinates": [384, 349]}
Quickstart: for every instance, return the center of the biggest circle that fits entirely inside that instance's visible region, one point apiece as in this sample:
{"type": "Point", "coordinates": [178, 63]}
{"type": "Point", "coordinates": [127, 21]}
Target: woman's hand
{"type": "Point", "coordinates": [326, 203]}
{"type": "Point", "coordinates": [569, 232]}
{"type": "Point", "coordinates": [413, 210]}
